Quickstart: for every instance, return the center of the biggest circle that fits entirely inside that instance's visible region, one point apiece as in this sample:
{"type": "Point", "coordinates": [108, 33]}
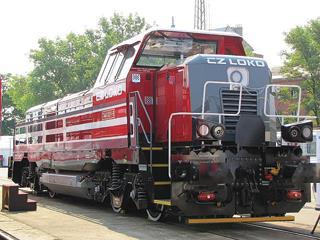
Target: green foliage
{"type": "Point", "coordinates": [248, 50]}
{"type": "Point", "coordinates": [303, 61]}
{"type": "Point", "coordinates": [66, 65]}
{"type": "Point", "coordinates": [72, 64]}
{"type": "Point", "coordinates": [9, 113]}
{"type": "Point", "coordinates": [287, 98]}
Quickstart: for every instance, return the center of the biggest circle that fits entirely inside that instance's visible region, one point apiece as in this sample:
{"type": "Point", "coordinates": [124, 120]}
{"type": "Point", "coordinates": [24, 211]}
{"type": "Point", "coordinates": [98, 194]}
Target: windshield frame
{"type": "Point", "coordinates": [177, 57]}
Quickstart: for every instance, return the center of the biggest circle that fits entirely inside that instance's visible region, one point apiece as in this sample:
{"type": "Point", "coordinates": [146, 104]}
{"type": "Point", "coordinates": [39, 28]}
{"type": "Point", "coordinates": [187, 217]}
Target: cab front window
{"type": "Point", "coordinates": [162, 48]}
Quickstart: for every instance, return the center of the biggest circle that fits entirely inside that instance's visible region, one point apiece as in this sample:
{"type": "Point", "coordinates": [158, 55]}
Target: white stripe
{"type": "Point", "coordinates": [90, 125]}
{"type": "Point", "coordinates": [80, 127]}
{"type": "Point", "coordinates": [35, 134]}
{"type": "Point", "coordinates": [99, 110]}
{"type": "Point", "coordinates": [53, 131]}
{"type": "Point", "coordinates": [97, 139]}
{"type": "Point", "coordinates": [95, 125]}
{"type": "Point", "coordinates": [22, 135]}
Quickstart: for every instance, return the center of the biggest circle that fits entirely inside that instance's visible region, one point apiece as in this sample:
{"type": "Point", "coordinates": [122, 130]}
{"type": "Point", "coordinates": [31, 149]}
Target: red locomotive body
{"type": "Point", "coordinates": [167, 126]}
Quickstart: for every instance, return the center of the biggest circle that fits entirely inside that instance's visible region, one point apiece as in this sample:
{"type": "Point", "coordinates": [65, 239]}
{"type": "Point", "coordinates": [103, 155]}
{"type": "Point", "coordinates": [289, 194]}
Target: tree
{"type": "Point", "coordinates": [67, 65]}
{"type": "Point", "coordinates": [10, 114]}
{"type": "Point", "coordinates": [72, 64]}
{"type": "Point", "coordinates": [303, 61]}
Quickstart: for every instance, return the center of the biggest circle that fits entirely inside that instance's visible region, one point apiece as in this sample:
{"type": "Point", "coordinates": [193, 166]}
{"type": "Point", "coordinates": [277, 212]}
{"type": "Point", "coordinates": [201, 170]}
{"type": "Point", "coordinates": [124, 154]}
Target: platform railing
{"type": "Point", "coordinates": [202, 114]}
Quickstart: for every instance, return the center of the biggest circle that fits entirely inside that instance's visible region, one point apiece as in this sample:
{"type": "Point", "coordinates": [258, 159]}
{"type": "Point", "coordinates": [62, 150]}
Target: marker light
{"type": "Point", "coordinates": [206, 196]}
{"type": "Point", "coordinates": [217, 131]}
{"type": "Point", "coordinates": [294, 132]}
{"type": "Point", "coordinates": [298, 132]}
{"type": "Point", "coordinates": [294, 195]}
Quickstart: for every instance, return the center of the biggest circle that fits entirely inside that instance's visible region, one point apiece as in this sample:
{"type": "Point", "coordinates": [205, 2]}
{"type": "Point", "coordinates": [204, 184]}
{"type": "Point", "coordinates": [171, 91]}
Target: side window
{"type": "Point", "coordinates": [115, 67]}
{"type": "Point", "coordinates": [22, 130]}
{"type": "Point", "coordinates": [106, 71]}
{"type": "Point", "coordinates": [127, 63]}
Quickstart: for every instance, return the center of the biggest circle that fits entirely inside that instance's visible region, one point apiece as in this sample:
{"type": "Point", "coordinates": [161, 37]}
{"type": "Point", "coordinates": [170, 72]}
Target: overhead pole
{"type": "Point", "coordinates": [200, 15]}
{"type": "Point", "coordinates": [1, 79]}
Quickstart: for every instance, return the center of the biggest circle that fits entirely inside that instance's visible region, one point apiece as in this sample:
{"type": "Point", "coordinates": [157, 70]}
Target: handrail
{"type": "Point", "coordinates": [202, 114]}
{"type": "Point", "coordinates": [149, 120]}
{"type": "Point", "coordinates": [57, 112]}
{"type": "Point", "coordinates": [298, 116]}
{"type": "Point", "coordinates": [143, 130]}
{"type": "Point", "coordinates": [221, 83]}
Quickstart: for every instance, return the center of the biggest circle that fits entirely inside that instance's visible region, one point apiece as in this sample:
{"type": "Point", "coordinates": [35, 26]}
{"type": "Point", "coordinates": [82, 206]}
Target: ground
{"type": "Point", "coordinates": [74, 218]}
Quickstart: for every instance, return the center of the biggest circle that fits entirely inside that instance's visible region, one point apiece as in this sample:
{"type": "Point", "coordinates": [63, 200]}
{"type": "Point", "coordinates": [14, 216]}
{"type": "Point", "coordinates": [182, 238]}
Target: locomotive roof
{"type": "Point", "coordinates": [47, 104]}
{"type": "Point", "coordinates": [202, 58]}
{"type": "Point", "coordinates": [136, 39]}
{"type": "Point", "coordinates": [141, 36]}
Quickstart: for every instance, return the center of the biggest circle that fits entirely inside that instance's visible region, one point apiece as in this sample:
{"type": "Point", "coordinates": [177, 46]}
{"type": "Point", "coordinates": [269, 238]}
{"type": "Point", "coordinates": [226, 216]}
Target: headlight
{"type": "Point", "coordinates": [236, 77]}
{"type": "Point", "coordinates": [297, 132]}
{"type": "Point", "coordinates": [307, 132]}
{"type": "Point", "coordinates": [217, 131]}
{"type": "Point", "coordinates": [203, 130]}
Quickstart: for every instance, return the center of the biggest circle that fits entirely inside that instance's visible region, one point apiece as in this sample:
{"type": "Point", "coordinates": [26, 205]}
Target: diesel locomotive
{"type": "Point", "coordinates": [178, 122]}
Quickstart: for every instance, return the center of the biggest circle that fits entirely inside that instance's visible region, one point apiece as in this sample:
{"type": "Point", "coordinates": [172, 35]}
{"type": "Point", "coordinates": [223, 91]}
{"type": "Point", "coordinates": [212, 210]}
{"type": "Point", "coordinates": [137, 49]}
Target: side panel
{"type": "Point", "coordinates": [173, 95]}
{"type": "Point", "coordinates": [142, 81]}
{"type": "Point", "coordinates": [77, 141]}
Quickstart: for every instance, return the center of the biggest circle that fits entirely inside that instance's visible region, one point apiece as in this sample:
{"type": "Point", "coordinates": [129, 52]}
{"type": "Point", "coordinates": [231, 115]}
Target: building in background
{"type": "Point", "coordinates": [6, 149]}
{"type": "Point", "coordinates": [236, 29]}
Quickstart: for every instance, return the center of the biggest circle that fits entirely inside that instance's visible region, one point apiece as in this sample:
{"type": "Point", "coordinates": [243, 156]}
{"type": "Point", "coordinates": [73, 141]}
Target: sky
{"type": "Point", "coordinates": [264, 23]}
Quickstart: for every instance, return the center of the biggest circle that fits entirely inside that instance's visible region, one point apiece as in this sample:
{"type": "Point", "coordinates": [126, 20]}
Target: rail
{"type": "Point", "coordinates": [149, 140]}
{"type": "Point", "coordinates": [283, 116]}
{"type": "Point", "coordinates": [6, 236]}
{"type": "Point", "coordinates": [202, 114]}
{"type": "Point", "coordinates": [56, 111]}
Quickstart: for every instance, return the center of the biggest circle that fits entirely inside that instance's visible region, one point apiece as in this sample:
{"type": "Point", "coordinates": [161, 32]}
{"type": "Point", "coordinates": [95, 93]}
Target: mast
{"type": "Point", "coordinates": [1, 77]}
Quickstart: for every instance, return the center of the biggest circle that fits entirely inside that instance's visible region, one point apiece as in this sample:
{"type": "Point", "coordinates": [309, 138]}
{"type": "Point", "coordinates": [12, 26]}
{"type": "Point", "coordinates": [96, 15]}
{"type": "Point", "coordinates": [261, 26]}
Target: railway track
{"type": "Point", "coordinates": [171, 228]}
{"type": "Point", "coordinates": [246, 231]}
{"type": "Point", "coordinates": [309, 236]}
{"type": "Point", "coordinates": [6, 236]}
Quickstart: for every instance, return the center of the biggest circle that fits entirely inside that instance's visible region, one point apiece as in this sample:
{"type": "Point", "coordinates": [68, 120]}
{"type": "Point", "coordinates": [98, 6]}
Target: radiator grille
{"type": "Point", "coordinates": [230, 104]}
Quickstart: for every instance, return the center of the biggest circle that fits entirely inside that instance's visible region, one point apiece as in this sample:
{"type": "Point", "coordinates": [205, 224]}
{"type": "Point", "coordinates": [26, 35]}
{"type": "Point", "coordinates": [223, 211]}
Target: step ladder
{"type": "Point", "coordinates": [162, 182]}
{"type": "Point", "coordinates": [14, 199]}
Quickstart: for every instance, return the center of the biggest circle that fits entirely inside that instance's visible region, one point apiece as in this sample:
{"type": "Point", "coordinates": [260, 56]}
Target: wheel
{"type": "Point", "coordinates": [35, 186]}
{"type": "Point", "coordinates": [24, 177]}
{"type": "Point", "coordinates": [116, 203]}
{"type": "Point", "coordinates": [52, 194]}
{"type": "Point", "coordinates": [156, 212]}
{"type": "Point", "coordinates": [34, 189]}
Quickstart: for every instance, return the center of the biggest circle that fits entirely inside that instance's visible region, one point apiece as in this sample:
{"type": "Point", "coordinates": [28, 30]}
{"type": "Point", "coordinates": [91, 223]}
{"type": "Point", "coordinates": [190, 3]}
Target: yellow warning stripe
{"type": "Point", "coordinates": [153, 148]}
{"type": "Point", "coordinates": [162, 183]}
{"type": "Point", "coordinates": [162, 202]}
{"type": "Point", "coordinates": [238, 219]}
{"type": "Point", "coordinates": [159, 165]}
